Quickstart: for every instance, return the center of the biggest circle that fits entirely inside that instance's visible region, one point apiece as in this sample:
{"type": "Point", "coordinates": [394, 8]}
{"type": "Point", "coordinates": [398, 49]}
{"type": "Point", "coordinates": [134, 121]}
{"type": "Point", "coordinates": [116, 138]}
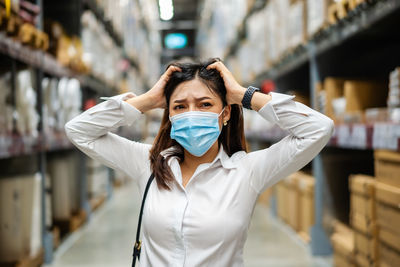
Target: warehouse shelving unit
{"type": "Point", "coordinates": [27, 147]}
{"type": "Point", "coordinates": [99, 14]}
{"type": "Point", "coordinates": [363, 45]}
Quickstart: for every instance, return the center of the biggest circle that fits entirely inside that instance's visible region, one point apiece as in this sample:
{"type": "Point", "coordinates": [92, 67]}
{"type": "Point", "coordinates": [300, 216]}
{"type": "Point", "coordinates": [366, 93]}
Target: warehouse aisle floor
{"type": "Point", "coordinates": [107, 239]}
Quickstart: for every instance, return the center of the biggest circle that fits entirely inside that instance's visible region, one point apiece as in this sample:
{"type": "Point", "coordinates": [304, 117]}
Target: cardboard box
{"type": "Point", "coordinates": [343, 245]}
{"type": "Point", "coordinates": [388, 256]}
{"type": "Point", "coordinates": [363, 185]}
{"type": "Point", "coordinates": [360, 223]}
{"type": "Point", "coordinates": [362, 198]}
{"type": "Point", "coordinates": [387, 194]}
{"type": "Point", "coordinates": [388, 217]}
{"type": "Point", "coordinates": [363, 205]}
{"type": "Point", "coordinates": [293, 201]}
{"type": "Point", "coordinates": [282, 203]}
{"type": "Point", "coordinates": [367, 246]}
{"type": "Point", "coordinates": [361, 95]}
{"type": "Point", "coordinates": [363, 261]}
{"type": "Point", "coordinates": [390, 238]}
{"type": "Point", "coordinates": [334, 88]}
{"type": "Point", "coordinates": [264, 197]}
{"type": "Point", "coordinates": [340, 261]}
{"type": "Point", "coordinates": [306, 184]}
{"type": "Point", "coordinates": [387, 167]}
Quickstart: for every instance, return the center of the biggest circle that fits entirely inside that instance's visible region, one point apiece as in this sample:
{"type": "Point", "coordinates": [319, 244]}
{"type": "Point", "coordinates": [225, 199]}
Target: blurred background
{"type": "Point", "coordinates": [57, 58]}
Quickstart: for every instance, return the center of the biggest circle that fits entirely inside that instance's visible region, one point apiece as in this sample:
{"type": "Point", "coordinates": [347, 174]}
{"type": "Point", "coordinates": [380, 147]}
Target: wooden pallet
{"type": "Point", "coordinates": [304, 236]}
{"type": "Point", "coordinates": [56, 237]}
{"type": "Point", "coordinates": [35, 261]}
{"type": "Point", "coordinates": [96, 202]}
{"type": "Point", "coordinates": [71, 224]}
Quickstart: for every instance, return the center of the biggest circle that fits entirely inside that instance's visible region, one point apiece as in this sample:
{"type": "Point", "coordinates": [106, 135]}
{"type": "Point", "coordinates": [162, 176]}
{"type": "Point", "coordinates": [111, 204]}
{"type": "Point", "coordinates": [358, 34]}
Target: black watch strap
{"type": "Point", "coordinates": [246, 101]}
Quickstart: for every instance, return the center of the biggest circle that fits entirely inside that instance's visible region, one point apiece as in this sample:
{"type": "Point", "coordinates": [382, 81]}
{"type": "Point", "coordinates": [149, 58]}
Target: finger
{"type": "Point", "coordinates": [214, 65]}
{"type": "Point", "coordinates": [171, 69]}
{"type": "Point", "coordinates": [218, 66]}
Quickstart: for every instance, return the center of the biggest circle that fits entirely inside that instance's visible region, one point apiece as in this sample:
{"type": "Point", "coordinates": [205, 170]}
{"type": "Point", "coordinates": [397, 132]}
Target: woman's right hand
{"type": "Point", "coordinates": [154, 98]}
{"type": "Point", "coordinates": [156, 93]}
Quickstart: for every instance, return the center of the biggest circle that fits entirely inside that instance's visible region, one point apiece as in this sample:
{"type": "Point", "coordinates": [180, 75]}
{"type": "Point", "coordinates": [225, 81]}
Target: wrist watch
{"type": "Point", "coordinates": [246, 101]}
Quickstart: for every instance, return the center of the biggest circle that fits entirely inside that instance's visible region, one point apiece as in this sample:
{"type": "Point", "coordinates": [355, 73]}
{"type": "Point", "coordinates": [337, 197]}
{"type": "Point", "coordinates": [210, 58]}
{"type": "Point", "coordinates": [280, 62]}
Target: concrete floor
{"type": "Point", "coordinates": [106, 240]}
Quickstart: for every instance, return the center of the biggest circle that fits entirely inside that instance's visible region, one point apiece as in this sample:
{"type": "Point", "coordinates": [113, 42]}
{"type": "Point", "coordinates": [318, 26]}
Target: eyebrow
{"type": "Point", "coordinates": [197, 99]}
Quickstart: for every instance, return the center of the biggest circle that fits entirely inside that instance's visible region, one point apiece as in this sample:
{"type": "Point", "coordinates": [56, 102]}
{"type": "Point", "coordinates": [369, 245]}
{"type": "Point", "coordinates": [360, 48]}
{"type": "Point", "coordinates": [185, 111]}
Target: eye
{"type": "Point", "coordinates": [178, 107]}
{"type": "Point", "coordinates": [206, 104]}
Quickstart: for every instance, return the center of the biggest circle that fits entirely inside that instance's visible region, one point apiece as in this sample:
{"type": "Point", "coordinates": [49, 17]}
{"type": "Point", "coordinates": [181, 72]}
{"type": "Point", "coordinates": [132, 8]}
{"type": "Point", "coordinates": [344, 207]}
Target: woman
{"type": "Point", "coordinates": [198, 211]}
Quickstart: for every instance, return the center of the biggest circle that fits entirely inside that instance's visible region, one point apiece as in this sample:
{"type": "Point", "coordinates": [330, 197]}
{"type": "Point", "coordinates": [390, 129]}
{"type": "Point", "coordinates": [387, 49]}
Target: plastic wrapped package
{"type": "Point", "coordinates": [64, 181]}
{"type": "Point", "coordinates": [244, 53]}
{"type": "Point", "coordinates": [134, 83]}
{"type": "Point", "coordinates": [20, 223]}
{"type": "Point", "coordinates": [51, 103]}
{"type": "Point", "coordinates": [297, 23]}
{"type": "Point", "coordinates": [317, 15]}
{"type": "Point", "coordinates": [272, 21]}
{"type": "Point", "coordinates": [70, 96]}
{"type": "Point", "coordinates": [74, 99]}
{"type": "Point", "coordinates": [281, 8]}
{"type": "Point", "coordinates": [219, 24]}
{"type": "Point", "coordinates": [27, 117]}
{"type": "Point", "coordinates": [98, 48]}
{"type": "Point", "coordinates": [98, 178]}
{"type": "Point", "coordinates": [257, 41]}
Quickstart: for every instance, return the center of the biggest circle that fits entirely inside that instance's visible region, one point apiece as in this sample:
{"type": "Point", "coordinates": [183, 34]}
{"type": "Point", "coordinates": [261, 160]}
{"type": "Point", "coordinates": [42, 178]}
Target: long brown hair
{"type": "Point", "coordinates": [232, 135]}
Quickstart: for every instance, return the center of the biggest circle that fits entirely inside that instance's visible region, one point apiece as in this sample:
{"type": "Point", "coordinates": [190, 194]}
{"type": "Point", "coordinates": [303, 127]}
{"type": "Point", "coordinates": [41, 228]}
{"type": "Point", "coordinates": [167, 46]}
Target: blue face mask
{"type": "Point", "coordinates": [196, 131]}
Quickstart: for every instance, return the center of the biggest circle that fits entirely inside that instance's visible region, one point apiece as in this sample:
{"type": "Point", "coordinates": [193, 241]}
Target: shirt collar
{"type": "Point", "coordinates": [221, 158]}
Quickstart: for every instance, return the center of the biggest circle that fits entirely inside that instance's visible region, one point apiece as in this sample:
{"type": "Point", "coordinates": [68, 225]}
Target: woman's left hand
{"type": "Point", "coordinates": [234, 91]}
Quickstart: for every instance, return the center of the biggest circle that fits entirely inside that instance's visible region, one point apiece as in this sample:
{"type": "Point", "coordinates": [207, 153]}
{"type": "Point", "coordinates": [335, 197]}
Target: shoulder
{"type": "Point", "coordinates": [238, 156]}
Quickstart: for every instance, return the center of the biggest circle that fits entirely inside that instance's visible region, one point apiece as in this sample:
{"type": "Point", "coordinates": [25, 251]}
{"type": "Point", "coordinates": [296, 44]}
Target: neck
{"type": "Point", "coordinates": [192, 161]}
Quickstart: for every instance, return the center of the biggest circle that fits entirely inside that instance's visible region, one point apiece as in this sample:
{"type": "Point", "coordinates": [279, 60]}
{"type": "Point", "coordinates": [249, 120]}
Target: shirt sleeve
{"type": "Point", "coordinates": [91, 133]}
{"type": "Point", "coordinates": [309, 131]}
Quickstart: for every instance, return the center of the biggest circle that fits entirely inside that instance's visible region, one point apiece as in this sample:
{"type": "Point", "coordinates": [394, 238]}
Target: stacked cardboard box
{"type": "Point", "coordinates": [282, 203]}
{"type": "Point", "coordinates": [295, 202]}
{"type": "Point", "coordinates": [387, 167]}
{"type": "Point", "coordinates": [343, 246]}
{"type": "Point", "coordinates": [264, 197]}
{"type": "Point", "coordinates": [387, 172]}
{"type": "Point", "coordinates": [363, 219]}
{"type": "Point", "coordinates": [306, 185]}
{"type": "Point", "coordinates": [347, 100]}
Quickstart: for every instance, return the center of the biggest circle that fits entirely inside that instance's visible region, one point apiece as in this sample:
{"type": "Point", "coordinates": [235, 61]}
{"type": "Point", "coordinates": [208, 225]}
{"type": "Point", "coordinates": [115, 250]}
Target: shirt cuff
{"type": "Point", "coordinates": [268, 111]}
{"type": "Point", "coordinates": [130, 112]}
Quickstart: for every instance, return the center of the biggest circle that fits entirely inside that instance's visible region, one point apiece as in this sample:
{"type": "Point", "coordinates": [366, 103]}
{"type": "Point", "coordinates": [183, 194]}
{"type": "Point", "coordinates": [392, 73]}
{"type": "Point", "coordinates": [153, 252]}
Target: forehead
{"type": "Point", "coordinates": [192, 89]}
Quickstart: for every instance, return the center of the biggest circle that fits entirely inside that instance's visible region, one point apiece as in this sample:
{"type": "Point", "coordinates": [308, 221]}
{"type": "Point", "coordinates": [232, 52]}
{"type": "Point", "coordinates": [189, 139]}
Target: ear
{"type": "Point", "coordinates": [226, 115]}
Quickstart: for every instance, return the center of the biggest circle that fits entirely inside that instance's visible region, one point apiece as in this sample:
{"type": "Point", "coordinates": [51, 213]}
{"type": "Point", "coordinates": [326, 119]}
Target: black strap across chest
{"type": "Point", "coordinates": [138, 243]}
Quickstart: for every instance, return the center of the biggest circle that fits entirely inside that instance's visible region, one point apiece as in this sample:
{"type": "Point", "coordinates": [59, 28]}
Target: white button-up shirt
{"type": "Point", "coordinates": [206, 222]}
